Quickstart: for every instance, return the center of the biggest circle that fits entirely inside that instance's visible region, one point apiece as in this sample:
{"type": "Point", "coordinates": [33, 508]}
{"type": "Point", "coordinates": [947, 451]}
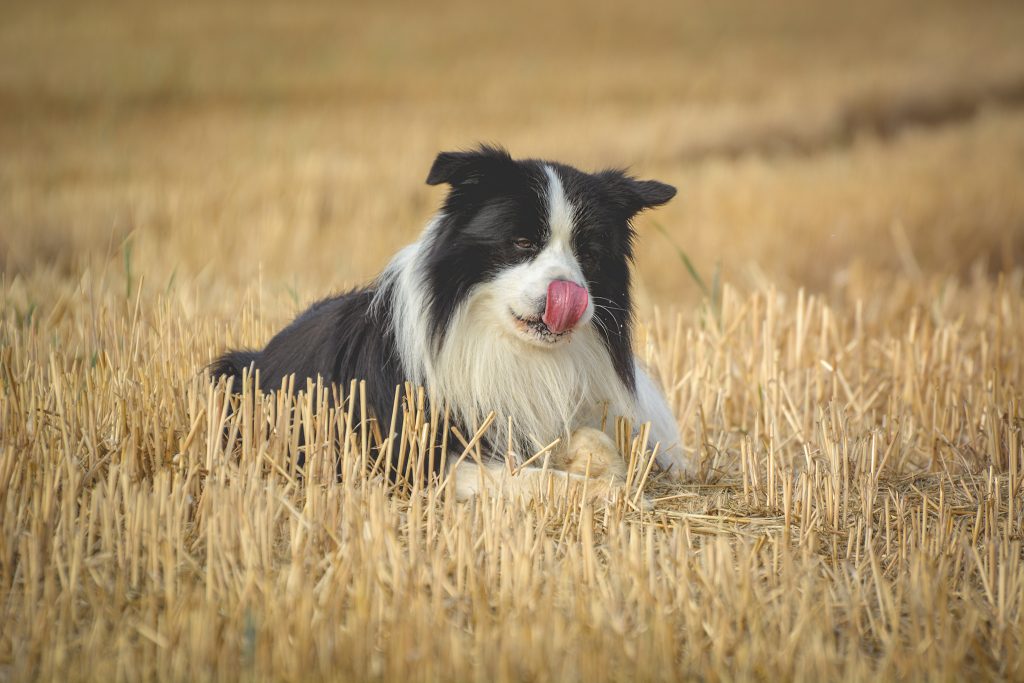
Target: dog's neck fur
{"type": "Point", "coordinates": [478, 368]}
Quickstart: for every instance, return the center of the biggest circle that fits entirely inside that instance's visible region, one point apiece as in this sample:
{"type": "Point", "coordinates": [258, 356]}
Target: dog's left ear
{"type": "Point", "coordinates": [632, 195]}
{"type": "Point", "coordinates": [468, 168]}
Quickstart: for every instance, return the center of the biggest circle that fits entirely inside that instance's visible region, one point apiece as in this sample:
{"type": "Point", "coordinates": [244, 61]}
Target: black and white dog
{"type": "Point", "coordinates": [515, 299]}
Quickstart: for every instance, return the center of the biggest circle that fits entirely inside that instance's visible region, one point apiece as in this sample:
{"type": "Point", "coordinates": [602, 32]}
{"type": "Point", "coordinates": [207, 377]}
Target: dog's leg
{"type": "Point", "coordinates": [589, 450]}
{"type": "Point", "coordinates": [651, 405]}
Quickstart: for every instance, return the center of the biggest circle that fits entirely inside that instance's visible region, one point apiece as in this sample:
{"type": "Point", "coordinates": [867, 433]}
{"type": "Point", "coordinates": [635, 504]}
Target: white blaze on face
{"type": "Point", "coordinates": [560, 211]}
{"type": "Point", "coordinates": [557, 261]}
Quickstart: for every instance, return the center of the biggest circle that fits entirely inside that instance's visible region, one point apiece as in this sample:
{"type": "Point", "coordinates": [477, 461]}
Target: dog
{"type": "Point", "coordinates": [514, 300]}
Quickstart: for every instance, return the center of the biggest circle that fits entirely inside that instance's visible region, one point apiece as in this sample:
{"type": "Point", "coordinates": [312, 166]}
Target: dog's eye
{"type": "Point", "coordinates": [524, 244]}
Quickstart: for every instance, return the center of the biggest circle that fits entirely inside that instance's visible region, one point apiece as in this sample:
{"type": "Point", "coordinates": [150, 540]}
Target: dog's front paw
{"type": "Point", "coordinates": [589, 447]}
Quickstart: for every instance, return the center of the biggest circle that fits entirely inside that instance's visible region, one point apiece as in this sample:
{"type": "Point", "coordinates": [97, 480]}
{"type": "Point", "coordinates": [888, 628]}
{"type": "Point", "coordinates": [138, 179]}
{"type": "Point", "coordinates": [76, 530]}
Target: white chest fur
{"type": "Point", "coordinates": [547, 392]}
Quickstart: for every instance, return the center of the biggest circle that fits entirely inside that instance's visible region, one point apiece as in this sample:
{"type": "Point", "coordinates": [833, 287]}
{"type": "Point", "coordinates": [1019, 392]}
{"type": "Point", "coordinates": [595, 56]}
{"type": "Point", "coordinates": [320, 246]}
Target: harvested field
{"type": "Point", "coordinates": [834, 301]}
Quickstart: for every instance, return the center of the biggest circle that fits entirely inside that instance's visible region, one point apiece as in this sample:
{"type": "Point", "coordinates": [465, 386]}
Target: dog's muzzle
{"type": "Point", "coordinates": [566, 304]}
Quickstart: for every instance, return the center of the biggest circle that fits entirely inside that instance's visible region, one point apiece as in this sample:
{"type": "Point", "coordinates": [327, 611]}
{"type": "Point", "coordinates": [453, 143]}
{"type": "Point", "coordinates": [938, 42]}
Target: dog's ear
{"type": "Point", "coordinates": [468, 168]}
{"type": "Point", "coordinates": [633, 196]}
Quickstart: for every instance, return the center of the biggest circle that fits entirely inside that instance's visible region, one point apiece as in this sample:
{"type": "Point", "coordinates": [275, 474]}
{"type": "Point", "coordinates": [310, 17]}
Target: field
{"type": "Point", "coordinates": [834, 303]}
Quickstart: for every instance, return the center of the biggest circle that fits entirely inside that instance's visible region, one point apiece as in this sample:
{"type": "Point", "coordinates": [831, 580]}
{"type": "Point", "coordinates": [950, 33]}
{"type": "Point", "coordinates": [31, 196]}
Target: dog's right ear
{"type": "Point", "coordinates": [633, 196]}
{"type": "Point", "coordinates": [467, 168]}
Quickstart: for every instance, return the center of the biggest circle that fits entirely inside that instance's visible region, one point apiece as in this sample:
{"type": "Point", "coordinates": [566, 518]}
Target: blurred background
{"type": "Point", "coordinates": [230, 145]}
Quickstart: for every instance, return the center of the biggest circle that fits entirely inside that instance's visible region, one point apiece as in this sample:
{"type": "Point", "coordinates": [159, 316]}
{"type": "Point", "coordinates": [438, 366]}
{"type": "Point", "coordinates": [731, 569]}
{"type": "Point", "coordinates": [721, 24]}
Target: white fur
{"type": "Point", "coordinates": [488, 363]}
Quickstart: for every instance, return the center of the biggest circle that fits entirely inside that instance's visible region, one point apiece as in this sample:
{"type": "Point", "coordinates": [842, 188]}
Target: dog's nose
{"type": "Point", "coordinates": [566, 304]}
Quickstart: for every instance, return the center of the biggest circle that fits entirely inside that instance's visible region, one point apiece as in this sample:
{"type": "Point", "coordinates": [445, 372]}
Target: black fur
{"type": "Point", "coordinates": [337, 340]}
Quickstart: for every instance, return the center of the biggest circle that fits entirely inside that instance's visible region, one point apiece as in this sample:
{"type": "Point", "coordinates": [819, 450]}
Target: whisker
{"type": "Point", "coordinates": [605, 306]}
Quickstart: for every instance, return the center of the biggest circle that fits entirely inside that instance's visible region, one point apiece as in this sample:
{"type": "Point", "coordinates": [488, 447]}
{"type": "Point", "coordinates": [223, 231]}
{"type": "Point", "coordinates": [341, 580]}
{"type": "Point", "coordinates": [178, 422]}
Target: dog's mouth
{"type": "Point", "coordinates": [536, 328]}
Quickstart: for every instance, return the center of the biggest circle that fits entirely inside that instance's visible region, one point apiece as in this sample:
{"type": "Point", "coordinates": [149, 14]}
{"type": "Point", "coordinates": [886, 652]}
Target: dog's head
{"type": "Point", "coordinates": [540, 249]}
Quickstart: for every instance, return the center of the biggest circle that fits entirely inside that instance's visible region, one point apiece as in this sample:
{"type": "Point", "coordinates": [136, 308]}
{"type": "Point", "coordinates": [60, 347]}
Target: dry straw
{"type": "Point", "coordinates": [859, 510]}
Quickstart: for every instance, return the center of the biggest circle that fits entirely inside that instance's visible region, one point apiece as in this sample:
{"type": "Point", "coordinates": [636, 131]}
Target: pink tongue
{"type": "Point", "coordinates": [567, 302]}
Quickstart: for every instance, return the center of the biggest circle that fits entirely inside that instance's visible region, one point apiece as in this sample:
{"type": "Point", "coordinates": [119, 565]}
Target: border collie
{"type": "Point", "coordinates": [515, 299]}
